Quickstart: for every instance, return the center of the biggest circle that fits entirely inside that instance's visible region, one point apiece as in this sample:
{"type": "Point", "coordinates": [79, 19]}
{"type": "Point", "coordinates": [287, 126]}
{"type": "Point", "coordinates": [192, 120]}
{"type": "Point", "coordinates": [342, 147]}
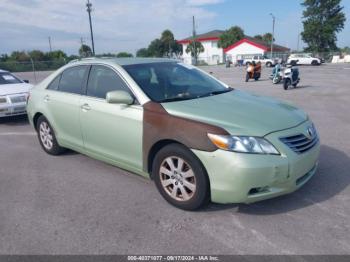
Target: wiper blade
{"type": "Point", "coordinates": [174, 99]}
{"type": "Point", "coordinates": [221, 91]}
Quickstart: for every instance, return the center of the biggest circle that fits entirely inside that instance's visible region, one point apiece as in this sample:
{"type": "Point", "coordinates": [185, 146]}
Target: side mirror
{"type": "Point", "coordinates": [26, 81]}
{"type": "Point", "coordinates": [119, 97]}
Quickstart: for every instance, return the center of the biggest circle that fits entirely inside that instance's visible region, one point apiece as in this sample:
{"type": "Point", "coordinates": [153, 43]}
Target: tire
{"type": "Point", "coordinates": [314, 63]}
{"type": "Point", "coordinates": [192, 192]}
{"type": "Point", "coordinates": [276, 80]}
{"type": "Point", "coordinates": [268, 64]}
{"type": "Point", "coordinates": [47, 137]}
{"type": "Point", "coordinates": [286, 83]}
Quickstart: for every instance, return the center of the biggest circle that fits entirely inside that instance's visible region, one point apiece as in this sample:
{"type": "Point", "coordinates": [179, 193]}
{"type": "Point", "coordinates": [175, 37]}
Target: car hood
{"type": "Point", "coordinates": [10, 89]}
{"type": "Point", "coordinates": [239, 113]}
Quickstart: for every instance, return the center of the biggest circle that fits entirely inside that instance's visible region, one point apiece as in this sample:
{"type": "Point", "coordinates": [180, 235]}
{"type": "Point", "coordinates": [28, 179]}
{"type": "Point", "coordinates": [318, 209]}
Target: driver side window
{"type": "Point", "coordinates": [103, 80]}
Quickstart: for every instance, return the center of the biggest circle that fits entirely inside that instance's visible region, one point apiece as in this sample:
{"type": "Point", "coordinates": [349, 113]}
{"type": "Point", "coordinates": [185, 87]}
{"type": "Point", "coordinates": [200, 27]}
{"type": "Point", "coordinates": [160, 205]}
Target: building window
{"type": "Point", "coordinates": [214, 44]}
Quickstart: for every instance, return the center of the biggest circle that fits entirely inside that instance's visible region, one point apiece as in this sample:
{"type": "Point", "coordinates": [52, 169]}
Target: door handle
{"type": "Point", "coordinates": [85, 107]}
{"type": "Point", "coordinates": [47, 98]}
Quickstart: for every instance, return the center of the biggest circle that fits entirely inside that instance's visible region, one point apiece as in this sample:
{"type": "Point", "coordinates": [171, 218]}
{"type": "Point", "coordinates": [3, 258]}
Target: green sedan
{"type": "Point", "coordinates": [197, 138]}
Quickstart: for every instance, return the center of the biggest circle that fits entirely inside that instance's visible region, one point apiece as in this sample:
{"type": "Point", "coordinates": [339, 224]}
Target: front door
{"type": "Point", "coordinates": [112, 131]}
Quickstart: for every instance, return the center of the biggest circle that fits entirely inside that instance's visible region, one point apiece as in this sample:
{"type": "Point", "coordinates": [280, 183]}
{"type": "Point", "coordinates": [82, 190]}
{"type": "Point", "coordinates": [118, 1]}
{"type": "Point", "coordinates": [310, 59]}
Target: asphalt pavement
{"type": "Point", "coordinates": [72, 204]}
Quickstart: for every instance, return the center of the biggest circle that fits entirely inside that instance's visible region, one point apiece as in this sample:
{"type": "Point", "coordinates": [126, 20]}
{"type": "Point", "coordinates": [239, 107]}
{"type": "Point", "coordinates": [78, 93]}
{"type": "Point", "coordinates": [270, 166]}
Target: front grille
{"type": "Point", "coordinates": [300, 143]}
{"type": "Point", "coordinates": [18, 99]}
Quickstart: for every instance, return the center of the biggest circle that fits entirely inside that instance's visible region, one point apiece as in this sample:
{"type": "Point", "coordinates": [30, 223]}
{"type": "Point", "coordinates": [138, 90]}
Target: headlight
{"type": "Point", "coordinates": [3, 99]}
{"type": "Point", "coordinates": [243, 144]}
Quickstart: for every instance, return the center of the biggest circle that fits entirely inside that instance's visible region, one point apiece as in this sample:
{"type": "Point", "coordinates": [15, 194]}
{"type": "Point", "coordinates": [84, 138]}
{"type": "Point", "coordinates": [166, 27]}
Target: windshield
{"type": "Point", "coordinates": [167, 82]}
{"type": "Point", "coordinates": [7, 78]}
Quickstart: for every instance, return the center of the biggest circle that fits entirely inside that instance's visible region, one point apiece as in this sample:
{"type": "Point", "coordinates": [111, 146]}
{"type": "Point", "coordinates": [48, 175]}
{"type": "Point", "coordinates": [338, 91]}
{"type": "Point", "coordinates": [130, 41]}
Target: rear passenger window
{"type": "Point", "coordinates": [103, 80]}
{"type": "Point", "coordinates": [54, 84]}
{"type": "Point", "coordinates": [72, 79]}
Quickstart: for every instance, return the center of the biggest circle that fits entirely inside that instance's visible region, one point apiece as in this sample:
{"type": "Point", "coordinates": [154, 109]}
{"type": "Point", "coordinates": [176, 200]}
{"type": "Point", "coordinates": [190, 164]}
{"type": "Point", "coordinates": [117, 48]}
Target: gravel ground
{"type": "Point", "coordinates": [73, 204]}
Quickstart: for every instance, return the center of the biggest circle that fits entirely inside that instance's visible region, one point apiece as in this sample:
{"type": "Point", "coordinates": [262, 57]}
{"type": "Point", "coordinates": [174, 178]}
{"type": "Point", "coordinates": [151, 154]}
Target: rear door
{"type": "Point", "coordinates": [112, 131]}
{"type": "Point", "coordinates": [62, 100]}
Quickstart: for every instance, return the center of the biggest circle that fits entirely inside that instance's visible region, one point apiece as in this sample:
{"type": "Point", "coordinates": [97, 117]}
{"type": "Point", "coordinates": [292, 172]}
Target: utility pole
{"type": "Point", "coordinates": [273, 33]}
{"type": "Point", "coordinates": [89, 10]}
{"type": "Point", "coordinates": [50, 44]}
{"type": "Point", "coordinates": [194, 41]}
{"type": "Point", "coordinates": [298, 42]}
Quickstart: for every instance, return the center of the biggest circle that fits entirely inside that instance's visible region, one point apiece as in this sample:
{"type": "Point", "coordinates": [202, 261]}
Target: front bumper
{"type": "Point", "coordinates": [15, 105]}
{"type": "Point", "coordinates": [247, 178]}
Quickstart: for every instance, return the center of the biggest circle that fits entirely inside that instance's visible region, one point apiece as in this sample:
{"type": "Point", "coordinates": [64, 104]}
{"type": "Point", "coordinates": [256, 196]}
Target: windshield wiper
{"type": "Point", "coordinates": [221, 91]}
{"type": "Point", "coordinates": [218, 92]}
{"type": "Point", "coordinates": [173, 99]}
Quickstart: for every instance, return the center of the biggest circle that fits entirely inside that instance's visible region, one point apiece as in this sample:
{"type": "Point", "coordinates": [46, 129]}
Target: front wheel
{"type": "Point", "coordinates": [180, 177]}
{"type": "Point", "coordinates": [247, 77]}
{"type": "Point", "coordinates": [268, 64]}
{"type": "Point", "coordinates": [47, 137]}
{"type": "Point", "coordinates": [286, 83]}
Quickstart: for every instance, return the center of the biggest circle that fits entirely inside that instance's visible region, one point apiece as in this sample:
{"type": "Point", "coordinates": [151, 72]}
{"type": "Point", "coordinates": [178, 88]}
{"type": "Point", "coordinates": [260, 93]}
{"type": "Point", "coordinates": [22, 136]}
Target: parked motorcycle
{"type": "Point", "coordinates": [253, 71]}
{"type": "Point", "coordinates": [277, 74]}
{"type": "Point", "coordinates": [291, 77]}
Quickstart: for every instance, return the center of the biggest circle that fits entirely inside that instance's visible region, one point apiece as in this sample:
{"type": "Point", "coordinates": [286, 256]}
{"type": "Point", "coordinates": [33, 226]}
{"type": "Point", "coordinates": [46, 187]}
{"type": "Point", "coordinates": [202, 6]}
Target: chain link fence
{"type": "Point", "coordinates": [32, 68]}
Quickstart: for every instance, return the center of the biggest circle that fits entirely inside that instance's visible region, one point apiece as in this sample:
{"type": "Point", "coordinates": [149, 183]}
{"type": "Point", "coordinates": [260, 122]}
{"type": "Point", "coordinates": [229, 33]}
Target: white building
{"type": "Point", "coordinates": [244, 48]}
{"type": "Point", "coordinates": [212, 54]}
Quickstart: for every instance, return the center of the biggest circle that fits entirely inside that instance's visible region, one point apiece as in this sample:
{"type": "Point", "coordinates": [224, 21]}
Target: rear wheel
{"type": "Point", "coordinates": [47, 137]}
{"type": "Point", "coordinates": [286, 83]}
{"type": "Point", "coordinates": [180, 177]}
{"type": "Point", "coordinates": [268, 64]}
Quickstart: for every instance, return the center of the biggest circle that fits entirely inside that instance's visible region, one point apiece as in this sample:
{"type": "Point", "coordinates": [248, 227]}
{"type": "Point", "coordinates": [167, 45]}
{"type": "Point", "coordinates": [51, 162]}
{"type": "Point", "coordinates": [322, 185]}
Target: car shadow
{"type": "Point", "coordinates": [330, 179]}
{"type": "Point", "coordinates": [21, 120]}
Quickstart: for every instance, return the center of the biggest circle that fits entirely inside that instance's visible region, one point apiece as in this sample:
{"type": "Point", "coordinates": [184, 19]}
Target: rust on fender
{"type": "Point", "coordinates": [159, 125]}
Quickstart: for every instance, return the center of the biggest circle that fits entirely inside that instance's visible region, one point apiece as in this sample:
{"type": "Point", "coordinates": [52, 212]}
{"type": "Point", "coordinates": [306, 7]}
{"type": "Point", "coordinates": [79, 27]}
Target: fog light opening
{"type": "Point", "coordinates": [258, 190]}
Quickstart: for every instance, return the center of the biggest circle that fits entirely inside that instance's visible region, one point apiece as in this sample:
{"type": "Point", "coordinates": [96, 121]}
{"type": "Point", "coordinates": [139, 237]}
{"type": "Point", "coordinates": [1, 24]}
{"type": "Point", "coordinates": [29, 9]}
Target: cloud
{"type": "Point", "coordinates": [118, 25]}
{"type": "Point", "coordinates": [203, 2]}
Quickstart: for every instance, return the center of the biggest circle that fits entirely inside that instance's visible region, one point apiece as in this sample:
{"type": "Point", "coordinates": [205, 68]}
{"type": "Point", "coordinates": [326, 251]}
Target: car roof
{"type": "Point", "coordinates": [3, 71]}
{"type": "Point", "coordinates": [123, 61]}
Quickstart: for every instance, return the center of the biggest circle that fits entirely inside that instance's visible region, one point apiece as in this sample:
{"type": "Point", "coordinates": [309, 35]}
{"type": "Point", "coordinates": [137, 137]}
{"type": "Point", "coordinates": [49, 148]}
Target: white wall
{"type": "Point", "coordinates": [211, 55]}
{"type": "Point", "coordinates": [244, 49]}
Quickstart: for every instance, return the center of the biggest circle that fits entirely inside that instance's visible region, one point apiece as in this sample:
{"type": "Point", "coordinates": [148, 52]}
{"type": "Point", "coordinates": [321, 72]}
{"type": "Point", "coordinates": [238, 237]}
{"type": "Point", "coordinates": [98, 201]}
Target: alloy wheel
{"type": "Point", "coordinates": [177, 178]}
{"type": "Point", "coordinates": [46, 135]}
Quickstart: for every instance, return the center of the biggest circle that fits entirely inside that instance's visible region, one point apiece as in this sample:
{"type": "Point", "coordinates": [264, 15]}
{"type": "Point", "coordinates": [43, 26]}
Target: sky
{"type": "Point", "coordinates": [127, 25]}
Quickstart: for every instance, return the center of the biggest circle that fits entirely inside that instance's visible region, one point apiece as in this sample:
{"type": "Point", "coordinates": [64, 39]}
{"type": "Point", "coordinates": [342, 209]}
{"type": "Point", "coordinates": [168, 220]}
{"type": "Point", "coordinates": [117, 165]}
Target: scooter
{"type": "Point", "coordinates": [277, 74]}
{"type": "Point", "coordinates": [253, 72]}
{"type": "Point", "coordinates": [290, 77]}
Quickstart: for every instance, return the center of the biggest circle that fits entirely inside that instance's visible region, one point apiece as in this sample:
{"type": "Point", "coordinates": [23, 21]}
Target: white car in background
{"type": "Point", "coordinates": [13, 94]}
{"type": "Point", "coordinates": [303, 59]}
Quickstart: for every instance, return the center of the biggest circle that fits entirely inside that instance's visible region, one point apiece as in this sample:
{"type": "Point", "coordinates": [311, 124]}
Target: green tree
{"type": "Point", "coordinates": [156, 48]}
{"type": "Point", "coordinates": [345, 50]}
{"type": "Point", "coordinates": [37, 55]}
{"type": "Point", "coordinates": [195, 48]}
{"type": "Point", "coordinates": [57, 55]}
{"type": "Point", "coordinates": [323, 19]}
{"type": "Point", "coordinates": [19, 56]}
{"type": "Point", "coordinates": [143, 52]}
{"type": "Point", "coordinates": [231, 36]}
{"type": "Point", "coordinates": [267, 38]}
{"type": "Point", "coordinates": [85, 51]}
{"type": "Point", "coordinates": [169, 44]}
{"type": "Point", "coordinates": [259, 37]}
{"type": "Point", "coordinates": [124, 54]}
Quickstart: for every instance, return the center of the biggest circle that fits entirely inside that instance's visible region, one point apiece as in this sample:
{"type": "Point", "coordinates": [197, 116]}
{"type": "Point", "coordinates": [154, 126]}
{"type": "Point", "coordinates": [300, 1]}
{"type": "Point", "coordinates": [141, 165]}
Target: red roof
{"type": "Point", "coordinates": [210, 36]}
{"type": "Point", "coordinates": [259, 44]}
{"type": "Point", "coordinates": [215, 36]}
